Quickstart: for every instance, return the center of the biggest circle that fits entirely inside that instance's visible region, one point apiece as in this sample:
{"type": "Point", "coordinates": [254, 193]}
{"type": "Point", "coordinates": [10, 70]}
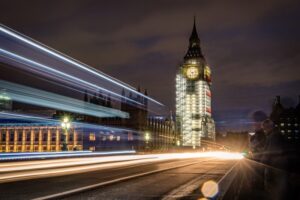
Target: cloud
{"type": "Point", "coordinates": [252, 47]}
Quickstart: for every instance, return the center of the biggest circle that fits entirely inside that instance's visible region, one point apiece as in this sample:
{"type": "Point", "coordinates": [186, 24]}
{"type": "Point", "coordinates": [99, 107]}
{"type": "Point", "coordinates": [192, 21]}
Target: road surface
{"type": "Point", "coordinates": [162, 176]}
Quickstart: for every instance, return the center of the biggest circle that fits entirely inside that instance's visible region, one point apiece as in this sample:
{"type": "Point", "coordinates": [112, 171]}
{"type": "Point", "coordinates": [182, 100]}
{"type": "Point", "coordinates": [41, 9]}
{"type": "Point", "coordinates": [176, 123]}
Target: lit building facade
{"type": "Point", "coordinates": [34, 136]}
{"type": "Point", "coordinates": [162, 133]}
{"type": "Point", "coordinates": [50, 138]}
{"type": "Point", "coordinates": [37, 139]}
{"type": "Point", "coordinates": [193, 96]}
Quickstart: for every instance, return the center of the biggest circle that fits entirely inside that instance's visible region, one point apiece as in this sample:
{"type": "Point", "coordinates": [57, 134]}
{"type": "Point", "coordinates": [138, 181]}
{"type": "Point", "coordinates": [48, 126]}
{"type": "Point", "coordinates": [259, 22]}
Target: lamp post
{"type": "Point", "coordinates": [66, 124]}
{"type": "Point", "coordinates": [147, 139]}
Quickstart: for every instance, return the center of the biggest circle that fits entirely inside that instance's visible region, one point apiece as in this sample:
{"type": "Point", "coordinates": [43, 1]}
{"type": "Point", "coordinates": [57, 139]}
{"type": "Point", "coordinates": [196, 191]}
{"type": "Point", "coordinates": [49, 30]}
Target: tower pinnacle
{"type": "Point", "coordinates": [194, 38]}
{"type": "Point", "coordinates": [194, 50]}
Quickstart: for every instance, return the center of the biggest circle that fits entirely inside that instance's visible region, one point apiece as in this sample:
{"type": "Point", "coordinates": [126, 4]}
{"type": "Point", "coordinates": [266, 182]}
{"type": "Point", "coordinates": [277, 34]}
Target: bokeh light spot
{"type": "Point", "coordinates": [210, 189]}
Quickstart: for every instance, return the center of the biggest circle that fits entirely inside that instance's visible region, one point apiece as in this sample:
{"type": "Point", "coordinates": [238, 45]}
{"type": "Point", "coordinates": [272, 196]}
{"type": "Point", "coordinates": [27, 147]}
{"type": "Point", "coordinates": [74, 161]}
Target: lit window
{"type": "Point", "coordinates": [104, 138]}
{"type": "Point", "coordinates": [92, 137]}
{"type": "Point", "coordinates": [130, 137]}
{"type": "Point", "coordinates": [118, 138]}
{"type": "Point", "coordinates": [282, 124]}
{"type": "Point", "coordinates": [92, 148]}
{"type": "Point", "coordinates": [111, 137]}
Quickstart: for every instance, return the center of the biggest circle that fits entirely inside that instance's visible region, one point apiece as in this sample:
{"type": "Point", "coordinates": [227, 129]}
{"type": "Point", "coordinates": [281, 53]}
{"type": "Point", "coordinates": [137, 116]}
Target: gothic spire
{"type": "Point", "coordinates": [139, 88]}
{"type": "Point", "coordinates": [194, 38]}
{"type": "Point", "coordinates": [194, 50]}
{"type": "Point", "coordinates": [277, 110]}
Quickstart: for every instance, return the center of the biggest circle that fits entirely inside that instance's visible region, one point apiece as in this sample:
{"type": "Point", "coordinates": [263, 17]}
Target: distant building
{"type": "Point", "coordinates": [47, 138]}
{"type": "Point", "coordinates": [163, 132]}
{"type": "Point", "coordinates": [109, 140]}
{"type": "Point", "coordinates": [287, 120]}
{"type": "Point", "coordinates": [139, 132]}
{"type": "Point", "coordinates": [193, 96]}
{"type": "Point", "coordinates": [148, 132]}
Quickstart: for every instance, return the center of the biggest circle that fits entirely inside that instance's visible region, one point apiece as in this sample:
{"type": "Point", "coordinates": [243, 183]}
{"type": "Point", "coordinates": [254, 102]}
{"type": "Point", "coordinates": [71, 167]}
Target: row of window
{"type": "Point", "coordinates": [34, 149]}
{"type": "Point", "coordinates": [282, 124]}
{"type": "Point", "coordinates": [289, 131]}
{"type": "Point", "coordinates": [92, 137]}
{"type": "Point", "coordinates": [36, 137]}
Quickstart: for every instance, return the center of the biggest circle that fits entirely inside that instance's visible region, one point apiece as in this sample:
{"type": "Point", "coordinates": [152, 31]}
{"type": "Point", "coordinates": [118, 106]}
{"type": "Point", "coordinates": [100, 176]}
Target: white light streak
{"type": "Point", "coordinates": [45, 155]}
{"type": "Point", "coordinates": [72, 61]}
{"type": "Point", "coordinates": [75, 80]}
{"type": "Point", "coordinates": [42, 98]}
{"type": "Point", "coordinates": [48, 168]}
{"type": "Point", "coordinates": [8, 115]}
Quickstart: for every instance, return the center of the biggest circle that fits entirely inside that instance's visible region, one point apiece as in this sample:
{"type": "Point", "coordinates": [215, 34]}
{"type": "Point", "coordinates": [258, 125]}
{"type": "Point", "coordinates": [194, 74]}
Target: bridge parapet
{"type": "Point", "coordinates": [250, 179]}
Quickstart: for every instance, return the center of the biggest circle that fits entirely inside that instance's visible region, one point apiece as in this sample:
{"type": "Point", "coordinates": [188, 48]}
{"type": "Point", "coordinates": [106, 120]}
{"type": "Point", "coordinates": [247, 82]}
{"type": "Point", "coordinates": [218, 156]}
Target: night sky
{"type": "Point", "coordinates": [252, 48]}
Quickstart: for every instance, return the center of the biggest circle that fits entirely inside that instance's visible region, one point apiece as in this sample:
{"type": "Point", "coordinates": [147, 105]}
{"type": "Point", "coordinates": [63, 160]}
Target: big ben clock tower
{"type": "Point", "coordinates": [193, 96]}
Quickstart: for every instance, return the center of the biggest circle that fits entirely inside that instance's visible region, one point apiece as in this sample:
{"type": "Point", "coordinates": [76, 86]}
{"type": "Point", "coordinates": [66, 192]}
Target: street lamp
{"type": "Point", "coordinates": [147, 139]}
{"type": "Point", "coordinates": [66, 124]}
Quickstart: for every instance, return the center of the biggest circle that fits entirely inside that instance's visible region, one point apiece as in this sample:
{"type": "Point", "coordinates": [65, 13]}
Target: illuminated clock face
{"type": "Point", "coordinates": [192, 72]}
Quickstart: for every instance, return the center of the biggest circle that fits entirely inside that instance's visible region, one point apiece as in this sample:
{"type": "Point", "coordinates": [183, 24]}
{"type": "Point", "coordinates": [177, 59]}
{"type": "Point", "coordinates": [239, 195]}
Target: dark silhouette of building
{"type": "Point", "coordinates": [149, 132]}
{"type": "Point", "coordinates": [287, 120]}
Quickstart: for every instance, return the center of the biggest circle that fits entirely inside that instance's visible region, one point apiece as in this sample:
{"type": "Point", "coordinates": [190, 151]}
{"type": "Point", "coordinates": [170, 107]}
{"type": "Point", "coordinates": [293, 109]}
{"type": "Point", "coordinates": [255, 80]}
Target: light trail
{"type": "Point", "coordinates": [11, 115]}
{"type": "Point", "coordinates": [50, 172]}
{"type": "Point", "coordinates": [46, 99]}
{"type": "Point", "coordinates": [49, 168]}
{"type": "Point", "coordinates": [61, 75]}
{"type": "Point", "coordinates": [79, 165]}
{"type": "Point", "coordinates": [46, 155]}
{"type": "Point", "coordinates": [109, 156]}
{"type": "Point", "coordinates": [55, 122]}
{"type": "Point", "coordinates": [32, 165]}
{"type": "Point", "coordinates": [41, 153]}
{"type": "Point", "coordinates": [72, 61]}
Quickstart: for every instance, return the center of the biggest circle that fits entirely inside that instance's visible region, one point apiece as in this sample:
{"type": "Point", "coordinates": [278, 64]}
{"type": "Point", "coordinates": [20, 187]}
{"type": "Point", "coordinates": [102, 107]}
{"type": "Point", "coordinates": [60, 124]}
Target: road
{"type": "Point", "coordinates": [160, 176]}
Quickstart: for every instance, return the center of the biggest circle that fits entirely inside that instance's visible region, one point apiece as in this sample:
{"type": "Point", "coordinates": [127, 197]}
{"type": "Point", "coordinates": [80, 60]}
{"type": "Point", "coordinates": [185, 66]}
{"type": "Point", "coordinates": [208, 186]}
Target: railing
{"type": "Point", "coordinates": [250, 179]}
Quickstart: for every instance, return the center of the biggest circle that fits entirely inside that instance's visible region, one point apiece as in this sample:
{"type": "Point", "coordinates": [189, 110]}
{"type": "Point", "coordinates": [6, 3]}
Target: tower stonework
{"type": "Point", "coordinates": [193, 96]}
